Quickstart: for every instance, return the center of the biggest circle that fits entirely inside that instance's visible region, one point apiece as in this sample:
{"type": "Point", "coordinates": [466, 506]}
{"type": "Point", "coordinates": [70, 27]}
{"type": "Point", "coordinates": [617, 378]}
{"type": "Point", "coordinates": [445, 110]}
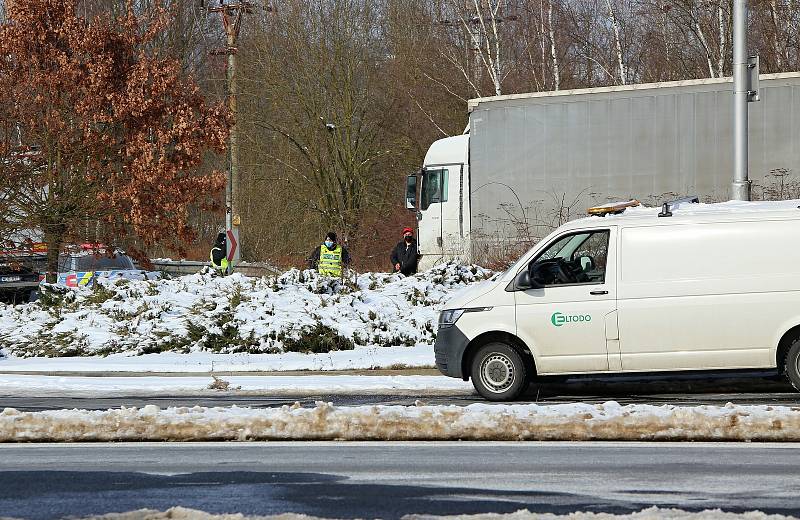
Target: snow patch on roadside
{"type": "Point", "coordinates": [576, 422]}
{"type": "Point", "coordinates": [46, 386]}
{"type": "Point", "coordinates": [296, 311]}
{"type": "Point", "coordinates": [360, 358]}
{"type": "Point", "coordinates": [652, 513]}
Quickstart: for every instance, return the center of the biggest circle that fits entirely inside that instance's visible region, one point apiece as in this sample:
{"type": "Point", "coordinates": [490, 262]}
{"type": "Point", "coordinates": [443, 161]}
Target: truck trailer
{"type": "Point", "coordinates": [530, 162]}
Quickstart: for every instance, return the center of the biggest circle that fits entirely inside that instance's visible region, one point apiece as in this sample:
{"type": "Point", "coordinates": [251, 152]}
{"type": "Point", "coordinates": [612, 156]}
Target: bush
{"type": "Point", "coordinates": [317, 339]}
{"type": "Point", "coordinates": [100, 294]}
{"type": "Point", "coordinates": [51, 296]}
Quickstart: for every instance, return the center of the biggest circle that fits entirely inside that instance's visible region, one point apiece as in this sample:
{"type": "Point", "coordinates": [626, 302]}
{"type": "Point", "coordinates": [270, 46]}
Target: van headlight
{"type": "Point", "coordinates": [449, 317]}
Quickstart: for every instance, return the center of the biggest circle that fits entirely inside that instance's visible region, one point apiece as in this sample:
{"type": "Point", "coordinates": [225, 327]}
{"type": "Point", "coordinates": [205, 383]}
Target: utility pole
{"type": "Point", "coordinates": [232, 22]}
{"type": "Point", "coordinates": [745, 90]}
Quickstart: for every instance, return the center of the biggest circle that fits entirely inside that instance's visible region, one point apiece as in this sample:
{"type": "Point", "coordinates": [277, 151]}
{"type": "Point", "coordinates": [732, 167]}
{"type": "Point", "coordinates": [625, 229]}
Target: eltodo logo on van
{"type": "Point", "coordinates": [558, 319]}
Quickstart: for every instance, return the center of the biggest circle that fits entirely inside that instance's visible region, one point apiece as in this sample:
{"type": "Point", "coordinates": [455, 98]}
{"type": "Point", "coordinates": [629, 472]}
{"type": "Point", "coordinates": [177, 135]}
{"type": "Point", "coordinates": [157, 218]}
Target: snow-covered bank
{"type": "Point", "coordinates": [576, 422]}
{"type": "Point", "coordinates": [47, 386]}
{"type": "Point", "coordinates": [298, 311]}
{"type": "Point", "coordinates": [360, 358]}
{"type": "Point", "coordinates": [652, 513]}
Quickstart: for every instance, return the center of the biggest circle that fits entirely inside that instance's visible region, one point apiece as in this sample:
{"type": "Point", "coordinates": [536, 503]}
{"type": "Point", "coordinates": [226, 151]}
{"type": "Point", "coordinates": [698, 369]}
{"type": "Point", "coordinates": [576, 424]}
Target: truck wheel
{"type": "Point", "coordinates": [792, 364]}
{"type": "Point", "coordinates": [498, 372]}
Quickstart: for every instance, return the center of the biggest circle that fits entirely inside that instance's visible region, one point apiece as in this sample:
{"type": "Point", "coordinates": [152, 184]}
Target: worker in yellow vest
{"type": "Point", "coordinates": [329, 258]}
{"type": "Point", "coordinates": [219, 258]}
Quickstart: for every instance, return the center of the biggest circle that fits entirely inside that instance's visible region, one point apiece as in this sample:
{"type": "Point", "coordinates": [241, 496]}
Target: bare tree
{"type": "Point", "coordinates": [615, 27]}
{"type": "Point", "coordinates": [709, 24]}
{"type": "Point", "coordinates": [483, 24]}
{"type": "Point", "coordinates": [553, 54]}
{"type": "Point", "coordinates": [314, 78]}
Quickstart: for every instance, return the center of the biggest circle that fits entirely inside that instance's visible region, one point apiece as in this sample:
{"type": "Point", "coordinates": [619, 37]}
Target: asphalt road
{"type": "Point", "coordinates": [370, 480]}
{"type": "Point", "coordinates": [689, 391]}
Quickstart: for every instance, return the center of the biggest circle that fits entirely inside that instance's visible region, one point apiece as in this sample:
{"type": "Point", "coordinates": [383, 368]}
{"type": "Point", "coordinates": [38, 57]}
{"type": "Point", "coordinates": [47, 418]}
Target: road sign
{"type": "Point", "coordinates": [234, 254]}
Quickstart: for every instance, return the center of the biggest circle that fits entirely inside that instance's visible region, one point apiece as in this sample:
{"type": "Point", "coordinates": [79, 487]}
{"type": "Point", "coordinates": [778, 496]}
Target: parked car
{"type": "Point", "coordinates": [85, 266]}
{"type": "Point", "coordinates": [693, 287]}
{"type": "Point", "coordinates": [18, 282]}
{"type": "Point", "coordinates": [82, 265]}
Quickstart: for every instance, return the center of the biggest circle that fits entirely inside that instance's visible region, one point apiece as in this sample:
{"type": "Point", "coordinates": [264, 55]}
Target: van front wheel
{"type": "Point", "coordinates": [498, 372]}
{"type": "Point", "coordinates": [793, 364]}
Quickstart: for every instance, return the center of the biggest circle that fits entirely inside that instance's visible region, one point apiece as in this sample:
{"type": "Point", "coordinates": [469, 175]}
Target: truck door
{"type": "Point", "coordinates": [565, 319]}
{"type": "Point", "coordinates": [453, 244]}
{"type": "Point", "coordinates": [439, 217]}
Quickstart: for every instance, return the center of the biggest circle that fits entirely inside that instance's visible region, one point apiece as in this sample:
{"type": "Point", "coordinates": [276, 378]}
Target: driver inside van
{"type": "Point", "coordinates": [575, 259]}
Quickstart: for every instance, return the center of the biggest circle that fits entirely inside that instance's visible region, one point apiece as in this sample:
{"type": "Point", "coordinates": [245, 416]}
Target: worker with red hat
{"type": "Point", "coordinates": [405, 255]}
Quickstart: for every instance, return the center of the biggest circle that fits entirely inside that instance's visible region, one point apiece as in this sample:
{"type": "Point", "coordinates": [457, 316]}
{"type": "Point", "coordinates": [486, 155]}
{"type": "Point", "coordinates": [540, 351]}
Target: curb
{"type": "Point", "coordinates": [229, 373]}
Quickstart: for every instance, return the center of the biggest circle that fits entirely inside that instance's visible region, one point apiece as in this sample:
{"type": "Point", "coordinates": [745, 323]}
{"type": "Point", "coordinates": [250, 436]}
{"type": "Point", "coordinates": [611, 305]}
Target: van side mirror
{"type": "Point", "coordinates": [411, 192]}
{"type": "Point", "coordinates": [525, 281]}
{"type": "Point", "coordinates": [534, 280]}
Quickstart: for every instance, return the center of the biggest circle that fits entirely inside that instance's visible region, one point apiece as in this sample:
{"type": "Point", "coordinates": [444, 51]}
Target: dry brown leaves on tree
{"type": "Point", "coordinates": [99, 131]}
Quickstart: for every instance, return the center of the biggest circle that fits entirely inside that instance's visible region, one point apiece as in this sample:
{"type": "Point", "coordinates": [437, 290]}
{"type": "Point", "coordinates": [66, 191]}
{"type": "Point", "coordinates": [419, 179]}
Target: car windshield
{"type": "Point", "coordinates": [103, 263]}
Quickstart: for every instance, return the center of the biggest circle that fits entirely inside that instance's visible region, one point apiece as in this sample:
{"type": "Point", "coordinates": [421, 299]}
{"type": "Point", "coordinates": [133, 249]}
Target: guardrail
{"type": "Point", "coordinates": [179, 267]}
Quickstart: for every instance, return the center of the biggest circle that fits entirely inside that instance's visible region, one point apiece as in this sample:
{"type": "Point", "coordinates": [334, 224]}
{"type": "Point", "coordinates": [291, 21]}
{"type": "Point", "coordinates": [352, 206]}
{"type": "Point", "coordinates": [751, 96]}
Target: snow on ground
{"type": "Point", "coordinates": [108, 386]}
{"type": "Point", "coordinates": [572, 422]}
{"type": "Point", "coordinates": [652, 513]}
{"type": "Point", "coordinates": [298, 311]}
{"type": "Point", "coordinates": [359, 358]}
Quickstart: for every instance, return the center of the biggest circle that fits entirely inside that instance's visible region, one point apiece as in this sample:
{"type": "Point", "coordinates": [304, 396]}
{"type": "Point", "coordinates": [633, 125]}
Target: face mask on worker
{"type": "Point", "coordinates": [408, 239]}
{"type": "Point", "coordinates": [329, 244]}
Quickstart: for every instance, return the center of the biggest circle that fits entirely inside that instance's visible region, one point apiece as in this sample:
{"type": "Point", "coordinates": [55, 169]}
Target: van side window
{"type": "Point", "coordinates": [577, 258]}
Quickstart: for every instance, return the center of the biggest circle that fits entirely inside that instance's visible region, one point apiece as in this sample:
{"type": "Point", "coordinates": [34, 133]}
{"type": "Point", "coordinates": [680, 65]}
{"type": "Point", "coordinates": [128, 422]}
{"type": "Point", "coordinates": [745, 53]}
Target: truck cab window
{"type": "Point", "coordinates": [434, 187]}
{"type": "Point", "coordinates": [577, 258]}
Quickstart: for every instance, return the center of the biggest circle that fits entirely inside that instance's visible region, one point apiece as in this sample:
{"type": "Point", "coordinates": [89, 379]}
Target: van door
{"type": "Point", "coordinates": [564, 321]}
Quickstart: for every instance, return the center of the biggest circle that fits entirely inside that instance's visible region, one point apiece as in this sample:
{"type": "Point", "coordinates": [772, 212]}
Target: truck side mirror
{"type": "Point", "coordinates": [411, 192]}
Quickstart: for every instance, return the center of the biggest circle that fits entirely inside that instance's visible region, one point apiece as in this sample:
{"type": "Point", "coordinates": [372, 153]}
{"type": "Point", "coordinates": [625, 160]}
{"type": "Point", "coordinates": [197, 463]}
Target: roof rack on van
{"type": "Point", "coordinates": [613, 208]}
{"type": "Point", "coordinates": [666, 208]}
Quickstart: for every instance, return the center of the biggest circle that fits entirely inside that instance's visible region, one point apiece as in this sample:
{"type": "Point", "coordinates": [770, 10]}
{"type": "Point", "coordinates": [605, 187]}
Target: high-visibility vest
{"type": "Point", "coordinates": [223, 265]}
{"type": "Point", "coordinates": [330, 261]}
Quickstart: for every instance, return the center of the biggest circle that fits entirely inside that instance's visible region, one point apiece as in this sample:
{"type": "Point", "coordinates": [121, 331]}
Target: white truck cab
{"type": "Point", "coordinates": [443, 214]}
{"type": "Point", "coordinates": [685, 287]}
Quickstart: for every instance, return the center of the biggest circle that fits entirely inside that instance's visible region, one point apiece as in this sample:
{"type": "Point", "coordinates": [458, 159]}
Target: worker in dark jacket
{"type": "Point", "coordinates": [219, 254]}
{"type": "Point", "coordinates": [405, 255]}
{"type": "Point", "coordinates": [329, 258]}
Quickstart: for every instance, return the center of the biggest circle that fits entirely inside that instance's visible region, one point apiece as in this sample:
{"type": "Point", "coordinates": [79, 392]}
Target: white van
{"type": "Point", "coordinates": [684, 287]}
